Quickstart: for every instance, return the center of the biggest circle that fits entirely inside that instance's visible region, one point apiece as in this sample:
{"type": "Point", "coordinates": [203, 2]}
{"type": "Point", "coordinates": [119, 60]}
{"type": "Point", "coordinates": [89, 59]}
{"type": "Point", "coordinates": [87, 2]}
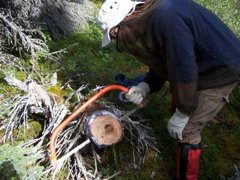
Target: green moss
{"type": "Point", "coordinates": [34, 130]}
{"type": "Point", "coordinates": [21, 76]}
{"type": "Point", "coordinates": [57, 93]}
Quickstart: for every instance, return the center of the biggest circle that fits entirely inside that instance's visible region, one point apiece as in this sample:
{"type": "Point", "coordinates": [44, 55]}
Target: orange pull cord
{"type": "Point", "coordinates": [53, 156]}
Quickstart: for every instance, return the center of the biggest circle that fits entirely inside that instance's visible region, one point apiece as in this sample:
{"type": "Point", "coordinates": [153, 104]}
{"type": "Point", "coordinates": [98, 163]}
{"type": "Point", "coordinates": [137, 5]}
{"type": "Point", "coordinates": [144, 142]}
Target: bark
{"type": "Point", "coordinates": [37, 95]}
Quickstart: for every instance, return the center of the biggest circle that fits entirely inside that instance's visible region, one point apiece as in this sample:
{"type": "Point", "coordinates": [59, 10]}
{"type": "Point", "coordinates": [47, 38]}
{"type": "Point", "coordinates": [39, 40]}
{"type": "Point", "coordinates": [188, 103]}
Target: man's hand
{"type": "Point", "coordinates": [137, 93]}
{"type": "Point", "coordinates": [176, 124]}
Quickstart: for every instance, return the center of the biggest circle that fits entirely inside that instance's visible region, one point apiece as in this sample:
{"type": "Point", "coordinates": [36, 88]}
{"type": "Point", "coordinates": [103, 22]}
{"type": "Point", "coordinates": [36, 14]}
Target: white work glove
{"type": "Point", "coordinates": [137, 93]}
{"type": "Point", "coordinates": [176, 124]}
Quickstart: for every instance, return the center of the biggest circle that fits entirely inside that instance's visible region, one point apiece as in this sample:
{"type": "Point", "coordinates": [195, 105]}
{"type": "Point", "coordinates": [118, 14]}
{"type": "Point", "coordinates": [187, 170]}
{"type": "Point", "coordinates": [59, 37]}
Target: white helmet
{"type": "Point", "coordinates": [112, 13]}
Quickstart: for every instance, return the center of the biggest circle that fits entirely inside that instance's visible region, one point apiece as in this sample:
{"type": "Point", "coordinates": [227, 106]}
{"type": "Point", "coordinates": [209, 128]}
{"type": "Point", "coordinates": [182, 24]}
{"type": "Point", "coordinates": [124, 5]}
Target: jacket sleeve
{"type": "Point", "coordinates": [154, 81]}
{"type": "Point", "coordinates": [182, 72]}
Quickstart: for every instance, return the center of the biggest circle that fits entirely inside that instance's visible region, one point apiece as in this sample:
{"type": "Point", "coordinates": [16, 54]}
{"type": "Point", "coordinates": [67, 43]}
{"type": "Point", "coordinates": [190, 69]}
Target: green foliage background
{"type": "Point", "coordinates": [87, 62]}
{"type": "Point", "coordinates": [19, 163]}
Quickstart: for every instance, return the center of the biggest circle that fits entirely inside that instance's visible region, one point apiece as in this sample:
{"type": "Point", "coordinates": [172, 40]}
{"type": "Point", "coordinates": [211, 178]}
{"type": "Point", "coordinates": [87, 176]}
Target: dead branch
{"type": "Point", "coordinates": [18, 39]}
{"type": "Point", "coordinates": [8, 61]}
{"type": "Point", "coordinates": [36, 100]}
{"type": "Point", "coordinates": [76, 152]}
{"type": "Point", "coordinates": [16, 83]}
{"type": "Point", "coordinates": [60, 17]}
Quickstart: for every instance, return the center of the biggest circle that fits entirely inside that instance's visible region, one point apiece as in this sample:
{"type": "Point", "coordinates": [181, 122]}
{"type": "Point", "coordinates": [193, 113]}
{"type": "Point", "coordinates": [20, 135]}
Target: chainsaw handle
{"type": "Point", "coordinates": [53, 156]}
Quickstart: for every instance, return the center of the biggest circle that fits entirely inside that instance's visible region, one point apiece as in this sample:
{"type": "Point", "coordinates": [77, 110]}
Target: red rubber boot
{"type": "Point", "coordinates": [188, 161]}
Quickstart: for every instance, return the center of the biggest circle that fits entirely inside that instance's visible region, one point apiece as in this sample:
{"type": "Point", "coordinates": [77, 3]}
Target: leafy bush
{"type": "Point", "coordinates": [17, 162]}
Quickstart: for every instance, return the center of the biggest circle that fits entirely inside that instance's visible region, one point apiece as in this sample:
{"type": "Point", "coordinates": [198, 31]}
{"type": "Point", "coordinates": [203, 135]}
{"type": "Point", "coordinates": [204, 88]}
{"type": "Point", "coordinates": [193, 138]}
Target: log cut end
{"type": "Point", "coordinates": [106, 130]}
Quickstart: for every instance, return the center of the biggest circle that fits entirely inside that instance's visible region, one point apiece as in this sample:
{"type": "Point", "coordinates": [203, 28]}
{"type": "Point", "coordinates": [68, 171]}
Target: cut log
{"type": "Point", "coordinates": [104, 129]}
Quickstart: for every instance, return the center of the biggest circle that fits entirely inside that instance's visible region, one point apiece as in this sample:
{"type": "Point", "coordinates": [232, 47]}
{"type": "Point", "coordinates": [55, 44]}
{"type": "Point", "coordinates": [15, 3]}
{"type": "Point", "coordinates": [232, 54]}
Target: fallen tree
{"type": "Point", "coordinates": [78, 154]}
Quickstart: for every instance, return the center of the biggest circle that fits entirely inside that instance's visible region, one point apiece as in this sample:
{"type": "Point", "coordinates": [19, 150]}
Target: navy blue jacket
{"type": "Point", "coordinates": [185, 44]}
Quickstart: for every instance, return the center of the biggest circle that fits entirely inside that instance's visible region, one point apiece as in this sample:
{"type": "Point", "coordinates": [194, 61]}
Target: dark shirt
{"type": "Point", "coordinates": [185, 44]}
